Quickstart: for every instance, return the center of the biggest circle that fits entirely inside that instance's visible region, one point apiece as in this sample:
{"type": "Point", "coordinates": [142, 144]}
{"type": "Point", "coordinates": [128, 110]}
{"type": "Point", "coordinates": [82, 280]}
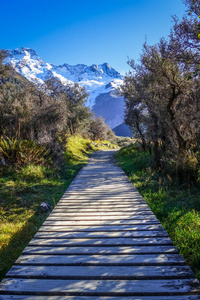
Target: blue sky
{"type": "Point", "coordinates": [86, 31]}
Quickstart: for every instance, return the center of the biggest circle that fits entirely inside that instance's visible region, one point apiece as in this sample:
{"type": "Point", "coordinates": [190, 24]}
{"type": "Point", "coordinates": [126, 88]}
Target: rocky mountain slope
{"type": "Point", "coordinates": [100, 81]}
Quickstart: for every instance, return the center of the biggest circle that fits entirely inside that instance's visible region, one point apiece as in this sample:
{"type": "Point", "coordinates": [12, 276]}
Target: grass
{"type": "Point", "coordinates": [22, 190]}
{"type": "Point", "coordinates": [176, 206]}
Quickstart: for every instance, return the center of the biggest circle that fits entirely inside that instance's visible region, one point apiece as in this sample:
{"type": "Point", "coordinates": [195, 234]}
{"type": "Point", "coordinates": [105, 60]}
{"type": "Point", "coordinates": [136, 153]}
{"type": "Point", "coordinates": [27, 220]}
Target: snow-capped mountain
{"type": "Point", "coordinates": [100, 81]}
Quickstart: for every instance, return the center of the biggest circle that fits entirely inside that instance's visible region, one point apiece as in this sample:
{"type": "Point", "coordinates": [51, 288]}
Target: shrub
{"type": "Point", "coordinates": [14, 152]}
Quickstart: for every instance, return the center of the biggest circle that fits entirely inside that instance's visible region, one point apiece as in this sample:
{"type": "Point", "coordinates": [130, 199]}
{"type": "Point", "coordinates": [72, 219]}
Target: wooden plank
{"type": "Point", "coordinates": [97, 186]}
{"type": "Point", "coordinates": [101, 214]}
{"type": "Point", "coordinates": [90, 180]}
{"type": "Point", "coordinates": [99, 183]}
{"type": "Point", "coordinates": [120, 205]}
{"type": "Point", "coordinates": [145, 259]}
{"type": "Point", "coordinates": [102, 200]}
{"type": "Point", "coordinates": [130, 210]}
{"type": "Point", "coordinates": [143, 227]}
{"type": "Point", "coordinates": [102, 287]}
{"type": "Point", "coordinates": [101, 272]}
{"type": "Point", "coordinates": [101, 209]}
{"type": "Point", "coordinates": [97, 204]}
{"type": "Point", "coordinates": [112, 196]}
{"type": "Point", "coordinates": [101, 250]}
{"type": "Point", "coordinates": [108, 192]}
{"type": "Point", "coordinates": [101, 189]}
{"type": "Point", "coordinates": [102, 234]}
{"type": "Point", "coordinates": [101, 241]}
{"type": "Point", "coordinates": [102, 217]}
{"type": "Point", "coordinates": [101, 193]}
{"type": "Point", "coordinates": [99, 222]}
{"type": "Point", "coordinates": [94, 201]}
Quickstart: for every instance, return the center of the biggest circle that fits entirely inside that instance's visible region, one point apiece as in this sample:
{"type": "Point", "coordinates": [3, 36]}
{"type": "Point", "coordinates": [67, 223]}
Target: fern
{"type": "Point", "coordinates": [23, 152]}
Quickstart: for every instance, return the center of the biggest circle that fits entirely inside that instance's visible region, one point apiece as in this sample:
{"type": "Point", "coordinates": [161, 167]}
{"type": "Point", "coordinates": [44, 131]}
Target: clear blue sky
{"type": "Point", "coordinates": [86, 31]}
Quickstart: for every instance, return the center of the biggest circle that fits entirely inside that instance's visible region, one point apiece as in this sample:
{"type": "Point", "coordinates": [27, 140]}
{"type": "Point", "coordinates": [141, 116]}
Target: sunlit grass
{"type": "Point", "coordinates": [20, 216]}
{"type": "Point", "coordinates": [176, 206]}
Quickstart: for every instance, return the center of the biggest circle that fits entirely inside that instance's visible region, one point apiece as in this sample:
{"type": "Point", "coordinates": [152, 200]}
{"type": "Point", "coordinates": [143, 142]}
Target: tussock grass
{"type": "Point", "coordinates": [176, 206]}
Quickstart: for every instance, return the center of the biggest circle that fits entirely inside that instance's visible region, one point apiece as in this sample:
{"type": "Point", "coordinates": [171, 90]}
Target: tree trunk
{"type": "Point", "coordinates": [181, 141]}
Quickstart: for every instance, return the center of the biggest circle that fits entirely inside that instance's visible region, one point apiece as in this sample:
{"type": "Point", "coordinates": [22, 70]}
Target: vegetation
{"type": "Point", "coordinates": [22, 189]}
{"type": "Point", "coordinates": [177, 206]}
{"type": "Point", "coordinates": [162, 97]}
{"type": "Point", "coordinates": [162, 109]}
{"type": "Point", "coordinates": [46, 135]}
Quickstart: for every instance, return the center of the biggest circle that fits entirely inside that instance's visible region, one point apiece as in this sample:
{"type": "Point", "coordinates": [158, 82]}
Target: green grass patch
{"type": "Point", "coordinates": [176, 206]}
{"type": "Point", "coordinates": [78, 149]}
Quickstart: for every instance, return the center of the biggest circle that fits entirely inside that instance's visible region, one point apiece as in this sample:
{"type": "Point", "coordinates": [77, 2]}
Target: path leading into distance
{"type": "Point", "coordinates": [102, 242]}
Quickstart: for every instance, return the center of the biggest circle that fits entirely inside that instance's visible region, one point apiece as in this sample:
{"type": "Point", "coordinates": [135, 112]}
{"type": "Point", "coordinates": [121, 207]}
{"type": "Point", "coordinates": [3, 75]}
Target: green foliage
{"type": "Point", "coordinates": [14, 152]}
{"type": "Point", "coordinates": [162, 97]}
{"type": "Point", "coordinates": [98, 130]}
{"type": "Point", "coordinates": [176, 206]}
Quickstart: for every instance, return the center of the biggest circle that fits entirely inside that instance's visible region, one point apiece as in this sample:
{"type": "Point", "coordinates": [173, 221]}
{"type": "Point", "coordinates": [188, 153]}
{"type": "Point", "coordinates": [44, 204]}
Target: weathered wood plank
{"type": "Point", "coordinates": [111, 196]}
{"type": "Point", "coordinates": [102, 213]}
{"type": "Point", "coordinates": [101, 241]}
{"type": "Point", "coordinates": [143, 227]}
{"type": "Point", "coordinates": [104, 201]}
{"type": "Point", "coordinates": [105, 211]}
{"type": "Point", "coordinates": [100, 250]}
{"type": "Point", "coordinates": [105, 234]}
{"type": "Point", "coordinates": [145, 259]}
{"type": "Point", "coordinates": [98, 204]}
{"type": "Point", "coordinates": [108, 193]}
{"type": "Point", "coordinates": [121, 217]}
{"type": "Point", "coordinates": [102, 287]}
{"type": "Point", "coordinates": [100, 222]}
{"type": "Point", "coordinates": [101, 272]}
{"type": "Point", "coordinates": [99, 208]}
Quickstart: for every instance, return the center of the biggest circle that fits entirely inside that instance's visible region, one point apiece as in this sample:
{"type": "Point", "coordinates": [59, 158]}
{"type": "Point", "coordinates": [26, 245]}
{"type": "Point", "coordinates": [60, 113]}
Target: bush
{"type": "Point", "coordinates": [14, 152]}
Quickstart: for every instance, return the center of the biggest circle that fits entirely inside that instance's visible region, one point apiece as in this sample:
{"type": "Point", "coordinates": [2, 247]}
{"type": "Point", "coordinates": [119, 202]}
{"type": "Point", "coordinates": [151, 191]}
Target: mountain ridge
{"type": "Point", "coordinates": [100, 81]}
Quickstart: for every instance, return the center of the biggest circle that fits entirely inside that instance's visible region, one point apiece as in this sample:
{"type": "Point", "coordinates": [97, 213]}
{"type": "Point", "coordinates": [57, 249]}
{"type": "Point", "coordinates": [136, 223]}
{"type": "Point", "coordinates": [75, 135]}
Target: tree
{"type": "Point", "coordinates": [98, 130]}
{"type": "Point", "coordinates": [161, 102]}
{"type": "Point", "coordinates": [73, 97]}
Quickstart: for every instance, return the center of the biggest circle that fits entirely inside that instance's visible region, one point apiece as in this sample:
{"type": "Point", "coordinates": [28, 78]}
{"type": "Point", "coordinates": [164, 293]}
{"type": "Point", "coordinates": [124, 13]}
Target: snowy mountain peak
{"type": "Point", "coordinates": [81, 71]}
{"type": "Point", "coordinates": [104, 69]}
{"type": "Point", "coordinates": [23, 50]}
{"type": "Point", "coordinates": [100, 81]}
{"type": "Point", "coordinates": [23, 53]}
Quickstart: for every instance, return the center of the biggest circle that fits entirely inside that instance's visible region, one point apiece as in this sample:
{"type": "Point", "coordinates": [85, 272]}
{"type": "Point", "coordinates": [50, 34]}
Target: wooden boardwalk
{"type": "Point", "coordinates": [101, 242]}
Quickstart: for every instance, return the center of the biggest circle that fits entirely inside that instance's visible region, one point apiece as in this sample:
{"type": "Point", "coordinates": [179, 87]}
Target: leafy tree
{"type": "Point", "coordinates": [98, 130]}
{"type": "Point", "coordinates": [161, 102]}
{"type": "Point", "coordinates": [73, 97]}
